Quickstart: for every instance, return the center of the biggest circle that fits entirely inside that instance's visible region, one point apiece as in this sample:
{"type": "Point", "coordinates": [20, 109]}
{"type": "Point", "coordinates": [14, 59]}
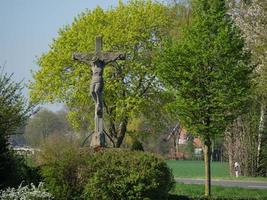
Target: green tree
{"type": "Point", "coordinates": [150, 127]}
{"type": "Point", "coordinates": [136, 28]}
{"type": "Point", "coordinates": [208, 70]}
{"type": "Point", "coordinates": [14, 113]}
{"type": "Point", "coordinates": [43, 124]}
{"type": "Point", "coordinates": [251, 17]}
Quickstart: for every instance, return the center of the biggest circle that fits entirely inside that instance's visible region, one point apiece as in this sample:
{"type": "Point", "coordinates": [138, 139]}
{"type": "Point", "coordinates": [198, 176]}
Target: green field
{"type": "Point", "coordinates": [195, 169]}
{"type": "Point", "coordinates": [218, 192]}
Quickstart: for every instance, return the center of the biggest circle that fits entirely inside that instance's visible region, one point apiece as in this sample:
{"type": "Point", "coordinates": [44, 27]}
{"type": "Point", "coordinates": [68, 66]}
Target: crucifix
{"type": "Point", "coordinates": [98, 60]}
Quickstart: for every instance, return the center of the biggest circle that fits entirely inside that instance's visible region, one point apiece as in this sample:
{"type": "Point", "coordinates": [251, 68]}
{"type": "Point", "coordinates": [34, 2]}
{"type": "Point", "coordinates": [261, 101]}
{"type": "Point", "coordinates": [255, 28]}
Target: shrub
{"type": "Point", "coordinates": [111, 174]}
{"type": "Point", "coordinates": [60, 160]}
{"type": "Point", "coordinates": [14, 170]}
{"type": "Point", "coordinates": [14, 113]}
{"type": "Point", "coordinates": [121, 174]}
{"type": "Point", "coordinates": [26, 193]}
{"type": "Point", "coordinates": [137, 146]}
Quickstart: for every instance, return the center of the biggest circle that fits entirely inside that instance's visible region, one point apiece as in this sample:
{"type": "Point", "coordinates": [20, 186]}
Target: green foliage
{"type": "Point", "coordinates": [208, 70]}
{"type": "Point", "coordinates": [138, 29]}
{"type": "Point", "coordinates": [13, 115]}
{"type": "Point", "coordinates": [72, 173]}
{"type": "Point", "coordinates": [251, 18]}
{"type": "Point", "coordinates": [150, 128]}
{"type": "Point", "coordinates": [194, 192]}
{"type": "Point", "coordinates": [128, 175]}
{"type": "Point", "coordinates": [137, 146]}
{"type": "Point", "coordinates": [60, 161]}
{"type": "Point", "coordinates": [13, 107]}
{"type": "Point", "coordinates": [45, 123]}
{"type": "Point", "coordinates": [14, 171]}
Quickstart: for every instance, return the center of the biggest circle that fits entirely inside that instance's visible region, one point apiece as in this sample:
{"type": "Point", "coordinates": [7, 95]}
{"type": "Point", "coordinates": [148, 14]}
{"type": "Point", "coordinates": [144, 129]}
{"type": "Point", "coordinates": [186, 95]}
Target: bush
{"type": "Point", "coordinates": [14, 170]}
{"type": "Point", "coordinates": [120, 174]}
{"type": "Point", "coordinates": [60, 161]}
{"type": "Point", "coordinates": [112, 174]}
{"type": "Point", "coordinates": [26, 193]}
{"type": "Point", "coordinates": [137, 146]}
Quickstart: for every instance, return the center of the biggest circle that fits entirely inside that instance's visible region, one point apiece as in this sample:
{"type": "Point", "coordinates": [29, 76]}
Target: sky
{"type": "Point", "coordinates": [27, 27]}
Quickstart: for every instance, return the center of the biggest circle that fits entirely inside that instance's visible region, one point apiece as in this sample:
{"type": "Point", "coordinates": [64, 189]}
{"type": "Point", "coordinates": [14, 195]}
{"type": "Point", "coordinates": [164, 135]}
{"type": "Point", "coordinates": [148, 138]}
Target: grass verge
{"type": "Point", "coordinates": [194, 192]}
{"type": "Point", "coordinates": [195, 169]}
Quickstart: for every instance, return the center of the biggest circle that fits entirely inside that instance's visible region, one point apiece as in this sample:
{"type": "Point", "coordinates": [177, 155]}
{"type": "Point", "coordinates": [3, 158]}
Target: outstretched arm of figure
{"type": "Point", "coordinates": [109, 57]}
{"type": "Point", "coordinates": [83, 57]}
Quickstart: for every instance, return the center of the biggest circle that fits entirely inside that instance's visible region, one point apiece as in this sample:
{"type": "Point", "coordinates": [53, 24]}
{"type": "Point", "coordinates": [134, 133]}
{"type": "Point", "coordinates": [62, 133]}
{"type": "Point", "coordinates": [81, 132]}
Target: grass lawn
{"type": "Point", "coordinates": [195, 169]}
{"type": "Point", "coordinates": [219, 192]}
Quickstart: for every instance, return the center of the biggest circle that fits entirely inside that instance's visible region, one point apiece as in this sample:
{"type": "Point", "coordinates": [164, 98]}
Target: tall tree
{"type": "Point", "coordinates": [14, 113]}
{"type": "Point", "coordinates": [208, 70]}
{"type": "Point", "coordinates": [251, 17]}
{"type": "Point", "coordinates": [241, 141]}
{"type": "Point", "coordinates": [136, 28]}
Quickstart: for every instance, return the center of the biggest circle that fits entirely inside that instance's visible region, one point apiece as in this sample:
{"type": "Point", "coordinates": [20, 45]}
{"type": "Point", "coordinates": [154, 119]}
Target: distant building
{"type": "Point", "coordinates": [180, 139]}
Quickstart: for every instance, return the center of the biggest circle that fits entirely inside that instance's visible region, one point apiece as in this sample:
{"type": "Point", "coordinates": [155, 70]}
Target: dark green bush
{"type": "Point", "coordinates": [120, 174]}
{"type": "Point", "coordinates": [137, 146]}
{"type": "Point", "coordinates": [14, 171]}
{"type": "Point", "coordinates": [111, 174]}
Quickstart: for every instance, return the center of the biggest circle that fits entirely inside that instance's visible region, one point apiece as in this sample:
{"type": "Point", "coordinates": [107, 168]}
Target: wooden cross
{"type": "Point", "coordinates": [98, 60]}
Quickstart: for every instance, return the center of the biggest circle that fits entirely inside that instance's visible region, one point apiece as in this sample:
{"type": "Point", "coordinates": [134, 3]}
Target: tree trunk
{"type": "Point", "coordinates": [231, 162]}
{"type": "Point", "coordinates": [262, 128]}
{"type": "Point", "coordinates": [121, 132]}
{"type": "Point", "coordinates": [229, 146]}
{"type": "Point", "coordinates": [207, 156]}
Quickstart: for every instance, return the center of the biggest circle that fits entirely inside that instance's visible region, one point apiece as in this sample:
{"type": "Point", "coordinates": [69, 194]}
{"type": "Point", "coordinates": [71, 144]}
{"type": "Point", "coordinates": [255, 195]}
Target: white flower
{"type": "Point", "coordinates": [25, 193]}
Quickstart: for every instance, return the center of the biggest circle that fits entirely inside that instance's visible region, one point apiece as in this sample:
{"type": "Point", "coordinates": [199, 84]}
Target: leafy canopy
{"type": "Point", "coordinates": [136, 28]}
{"type": "Point", "coordinates": [13, 107]}
{"type": "Point", "coordinates": [14, 113]}
{"type": "Point", "coordinates": [207, 68]}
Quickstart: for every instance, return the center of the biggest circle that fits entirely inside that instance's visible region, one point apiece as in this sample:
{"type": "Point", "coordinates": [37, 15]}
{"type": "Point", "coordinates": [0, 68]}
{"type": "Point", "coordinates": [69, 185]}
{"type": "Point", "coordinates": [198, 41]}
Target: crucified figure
{"type": "Point", "coordinates": [98, 61]}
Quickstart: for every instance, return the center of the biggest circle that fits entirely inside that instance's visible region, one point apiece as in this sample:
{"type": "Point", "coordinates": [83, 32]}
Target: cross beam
{"type": "Point", "coordinates": [105, 57]}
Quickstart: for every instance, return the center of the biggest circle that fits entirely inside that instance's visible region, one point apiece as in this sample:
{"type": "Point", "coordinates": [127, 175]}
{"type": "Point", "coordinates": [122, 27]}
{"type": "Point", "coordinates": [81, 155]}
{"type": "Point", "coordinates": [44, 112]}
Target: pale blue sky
{"type": "Point", "coordinates": [27, 27]}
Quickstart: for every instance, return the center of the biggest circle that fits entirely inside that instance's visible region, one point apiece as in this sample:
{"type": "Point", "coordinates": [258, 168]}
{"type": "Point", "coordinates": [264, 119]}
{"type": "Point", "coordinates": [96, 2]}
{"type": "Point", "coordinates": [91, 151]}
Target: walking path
{"type": "Point", "coordinates": [226, 183]}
